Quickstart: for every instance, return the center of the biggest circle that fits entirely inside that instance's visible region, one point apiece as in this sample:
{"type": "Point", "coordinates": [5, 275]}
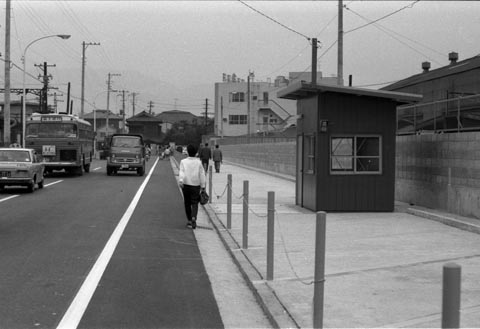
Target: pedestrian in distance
{"type": "Point", "coordinates": [205, 155]}
{"type": "Point", "coordinates": [191, 178]}
{"type": "Point", "coordinates": [217, 158]}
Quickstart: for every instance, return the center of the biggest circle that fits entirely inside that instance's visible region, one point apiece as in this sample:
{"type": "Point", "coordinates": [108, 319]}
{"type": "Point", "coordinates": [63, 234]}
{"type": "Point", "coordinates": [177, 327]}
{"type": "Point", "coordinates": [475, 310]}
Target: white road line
{"type": "Point", "coordinates": [9, 197]}
{"type": "Point", "coordinates": [74, 314]}
{"type": "Point", "coordinates": [97, 168]}
{"type": "Point", "coordinates": [14, 196]}
{"type": "Point", "coordinates": [55, 182]}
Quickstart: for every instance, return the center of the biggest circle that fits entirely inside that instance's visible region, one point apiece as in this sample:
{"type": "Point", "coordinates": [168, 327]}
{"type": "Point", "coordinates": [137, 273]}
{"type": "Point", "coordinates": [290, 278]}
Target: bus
{"type": "Point", "coordinates": [64, 141]}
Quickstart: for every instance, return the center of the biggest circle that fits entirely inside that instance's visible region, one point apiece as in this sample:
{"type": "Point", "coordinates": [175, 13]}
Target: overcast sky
{"type": "Point", "coordinates": [173, 52]}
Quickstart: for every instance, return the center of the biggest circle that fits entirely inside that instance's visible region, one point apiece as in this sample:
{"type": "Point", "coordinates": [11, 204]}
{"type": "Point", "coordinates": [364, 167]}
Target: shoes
{"type": "Point", "coordinates": [189, 224]}
{"type": "Point", "coordinates": [194, 223]}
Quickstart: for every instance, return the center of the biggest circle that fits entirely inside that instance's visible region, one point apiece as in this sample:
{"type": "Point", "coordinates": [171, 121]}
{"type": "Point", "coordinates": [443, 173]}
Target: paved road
{"type": "Point", "coordinates": [52, 241]}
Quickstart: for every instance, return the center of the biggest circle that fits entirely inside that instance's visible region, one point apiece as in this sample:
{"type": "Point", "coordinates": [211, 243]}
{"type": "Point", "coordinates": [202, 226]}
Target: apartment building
{"type": "Point", "coordinates": [249, 107]}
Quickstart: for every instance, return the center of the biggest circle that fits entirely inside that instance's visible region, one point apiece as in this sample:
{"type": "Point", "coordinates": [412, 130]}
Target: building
{"type": "Point", "coordinates": [252, 107]}
{"type": "Point", "coordinates": [451, 97]}
{"type": "Point", "coordinates": [98, 119]}
{"type": "Point", "coordinates": [16, 119]}
{"type": "Point", "coordinates": [147, 125]}
{"type": "Point", "coordinates": [345, 146]}
{"type": "Point", "coordinates": [181, 118]}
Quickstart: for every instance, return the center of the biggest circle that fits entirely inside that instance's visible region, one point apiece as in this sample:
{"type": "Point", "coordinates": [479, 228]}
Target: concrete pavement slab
{"type": "Point", "coordinates": [382, 269]}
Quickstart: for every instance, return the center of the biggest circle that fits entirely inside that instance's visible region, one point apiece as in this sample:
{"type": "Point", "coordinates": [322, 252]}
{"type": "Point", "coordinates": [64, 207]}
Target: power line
{"type": "Point", "coordinates": [383, 17]}
{"type": "Point", "coordinates": [274, 20]}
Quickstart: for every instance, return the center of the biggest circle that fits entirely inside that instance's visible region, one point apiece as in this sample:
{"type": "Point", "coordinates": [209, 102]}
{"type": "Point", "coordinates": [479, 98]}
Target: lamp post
{"type": "Point", "coordinates": [24, 60]}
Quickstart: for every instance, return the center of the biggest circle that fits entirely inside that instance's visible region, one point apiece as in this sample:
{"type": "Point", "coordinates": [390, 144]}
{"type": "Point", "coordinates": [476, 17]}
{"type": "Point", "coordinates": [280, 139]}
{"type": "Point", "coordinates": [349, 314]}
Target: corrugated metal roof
{"type": "Point", "coordinates": [302, 89]}
{"type": "Point", "coordinates": [458, 67]}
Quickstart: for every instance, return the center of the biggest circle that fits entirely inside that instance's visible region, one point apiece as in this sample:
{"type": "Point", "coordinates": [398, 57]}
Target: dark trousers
{"type": "Point", "coordinates": [191, 198]}
{"type": "Point", "coordinates": [205, 165]}
{"type": "Point", "coordinates": [217, 166]}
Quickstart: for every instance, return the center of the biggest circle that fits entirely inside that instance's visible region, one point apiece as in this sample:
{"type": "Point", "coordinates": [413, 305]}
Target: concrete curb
{"type": "Point", "coordinates": [275, 311]}
{"type": "Point", "coordinates": [462, 223]}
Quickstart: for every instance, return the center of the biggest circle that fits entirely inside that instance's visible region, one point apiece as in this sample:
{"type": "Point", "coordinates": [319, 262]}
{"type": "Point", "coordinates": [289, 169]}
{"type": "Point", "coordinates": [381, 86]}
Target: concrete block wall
{"type": "Point", "coordinates": [276, 157]}
{"type": "Point", "coordinates": [440, 171]}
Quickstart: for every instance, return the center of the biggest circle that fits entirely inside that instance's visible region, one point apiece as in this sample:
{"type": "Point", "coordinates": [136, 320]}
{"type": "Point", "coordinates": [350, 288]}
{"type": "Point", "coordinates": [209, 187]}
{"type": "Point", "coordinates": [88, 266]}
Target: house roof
{"type": "Point", "coordinates": [176, 116]}
{"type": "Point", "coordinates": [451, 69]}
{"type": "Point", "coordinates": [144, 117]}
{"type": "Point", "coordinates": [102, 114]}
{"type": "Point", "coordinates": [303, 89]}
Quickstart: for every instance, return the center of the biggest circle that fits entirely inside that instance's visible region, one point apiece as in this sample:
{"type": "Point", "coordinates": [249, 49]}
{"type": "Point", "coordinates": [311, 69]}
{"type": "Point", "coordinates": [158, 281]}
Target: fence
{"type": "Point", "coordinates": [448, 115]}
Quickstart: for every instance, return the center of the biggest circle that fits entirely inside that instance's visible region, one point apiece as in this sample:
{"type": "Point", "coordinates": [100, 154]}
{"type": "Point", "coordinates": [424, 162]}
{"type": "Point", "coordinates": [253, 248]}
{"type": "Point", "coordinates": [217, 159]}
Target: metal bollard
{"type": "Point", "coordinates": [270, 234]}
{"type": "Point", "coordinates": [318, 288]}
{"type": "Point", "coordinates": [210, 174]}
{"type": "Point", "coordinates": [451, 295]}
{"type": "Point", "coordinates": [245, 215]}
{"type": "Point", "coordinates": [229, 201]}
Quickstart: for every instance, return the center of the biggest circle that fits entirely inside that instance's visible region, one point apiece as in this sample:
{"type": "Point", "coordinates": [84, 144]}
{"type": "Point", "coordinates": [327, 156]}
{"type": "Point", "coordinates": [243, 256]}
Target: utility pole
{"type": "Point", "coordinates": [249, 115]}
{"type": "Point", "coordinates": [124, 128]}
{"type": "Point", "coordinates": [221, 116]}
{"type": "Point", "coordinates": [56, 101]}
{"type": "Point", "coordinates": [84, 47]}
{"type": "Point", "coordinates": [314, 61]}
{"type": "Point", "coordinates": [109, 88]}
{"type": "Point", "coordinates": [44, 92]}
{"type": "Point", "coordinates": [150, 106]}
{"type": "Point", "coordinates": [206, 116]}
{"type": "Point", "coordinates": [6, 110]}
{"type": "Point", "coordinates": [340, 44]}
{"type": "Point", "coordinates": [133, 103]}
{"type": "Point", "coordinates": [68, 98]}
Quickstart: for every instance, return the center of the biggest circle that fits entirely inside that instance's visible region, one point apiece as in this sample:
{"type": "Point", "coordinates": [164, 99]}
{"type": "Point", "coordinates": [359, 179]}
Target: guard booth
{"type": "Point", "coordinates": [345, 146]}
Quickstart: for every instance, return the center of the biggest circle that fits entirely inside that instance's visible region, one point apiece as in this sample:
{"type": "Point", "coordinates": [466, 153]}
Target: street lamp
{"type": "Point", "coordinates": [24, 60]}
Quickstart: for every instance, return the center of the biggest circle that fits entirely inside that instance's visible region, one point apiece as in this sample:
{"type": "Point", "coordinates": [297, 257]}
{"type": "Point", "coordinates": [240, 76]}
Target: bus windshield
{"type": "Point", "coordinates": [51, 130]}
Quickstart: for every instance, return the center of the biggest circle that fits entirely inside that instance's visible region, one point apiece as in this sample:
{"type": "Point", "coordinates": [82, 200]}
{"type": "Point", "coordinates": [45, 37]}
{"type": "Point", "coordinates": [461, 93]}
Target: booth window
{"type": "Point", "coordinates": [237, 119]}
{"type": "Point", "coordinates": [310, 154]}
{"type": "Point", "coordinates": [356, 155]}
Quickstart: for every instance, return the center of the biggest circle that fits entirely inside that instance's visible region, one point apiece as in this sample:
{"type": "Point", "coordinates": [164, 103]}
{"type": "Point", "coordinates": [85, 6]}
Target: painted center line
{"type": "Point", "coordinates": [77, 308]}
{"type": "Point", "coordinates": [9, 197]}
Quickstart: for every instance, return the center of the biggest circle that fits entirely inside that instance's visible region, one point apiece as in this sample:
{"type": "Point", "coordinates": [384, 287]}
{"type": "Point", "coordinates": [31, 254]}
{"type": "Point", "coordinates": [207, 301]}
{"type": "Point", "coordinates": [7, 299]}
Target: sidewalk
{"type": "Point", "coordinates": [382, 269]}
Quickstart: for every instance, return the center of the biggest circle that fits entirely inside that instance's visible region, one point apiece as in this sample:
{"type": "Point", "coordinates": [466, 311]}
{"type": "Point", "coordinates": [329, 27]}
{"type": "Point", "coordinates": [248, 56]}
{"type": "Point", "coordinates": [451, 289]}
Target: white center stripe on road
{"type": "Point", "coordinates": [53, 183]}
{"type": "Point", "coordinates": [74, 314]}
{"type": "Point", "coordinates": [9, 197]}
{"type": "Point", "coordinates": [97, 168]}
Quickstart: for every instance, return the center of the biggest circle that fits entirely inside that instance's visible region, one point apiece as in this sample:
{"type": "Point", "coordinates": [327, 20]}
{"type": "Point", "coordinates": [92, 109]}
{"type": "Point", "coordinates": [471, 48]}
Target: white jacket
{"type": "Point", "coordinates": [192, 172]}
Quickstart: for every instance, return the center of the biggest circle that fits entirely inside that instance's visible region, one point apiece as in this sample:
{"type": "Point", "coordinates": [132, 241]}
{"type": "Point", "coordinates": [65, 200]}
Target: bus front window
{"type": "Point", "coordinates": [52, 130]}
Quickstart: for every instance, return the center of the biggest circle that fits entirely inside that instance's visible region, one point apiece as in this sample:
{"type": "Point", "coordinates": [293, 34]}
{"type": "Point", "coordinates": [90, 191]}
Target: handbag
{"type": "Point", "coordinates": [204, 197]}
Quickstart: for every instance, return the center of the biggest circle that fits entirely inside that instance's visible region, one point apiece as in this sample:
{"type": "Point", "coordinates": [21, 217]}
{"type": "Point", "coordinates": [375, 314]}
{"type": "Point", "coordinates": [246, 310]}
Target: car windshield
{"type": "Point", "coordinates": [125, 141]}
{"type": "Point", "coordinates": [14, 156]}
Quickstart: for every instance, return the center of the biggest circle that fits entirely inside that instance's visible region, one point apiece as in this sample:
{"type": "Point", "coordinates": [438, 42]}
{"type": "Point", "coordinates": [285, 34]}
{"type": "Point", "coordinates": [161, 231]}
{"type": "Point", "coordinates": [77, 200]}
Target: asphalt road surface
{"type": "Point", "coordinates": [101, 251]}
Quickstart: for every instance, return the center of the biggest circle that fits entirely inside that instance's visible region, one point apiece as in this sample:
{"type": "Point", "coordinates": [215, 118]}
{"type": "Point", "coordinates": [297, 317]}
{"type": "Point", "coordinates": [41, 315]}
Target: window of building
{"type": "Point", "coordinates": [310, 154]}
{"type": "Point", "coordinates": [265, 98]}
{"type": "Point", "coordinates": [237, 97]}
{"type": "Point", "coordinates": [356, 155]}
{"type": "Point", "coordinates": [240, 119]}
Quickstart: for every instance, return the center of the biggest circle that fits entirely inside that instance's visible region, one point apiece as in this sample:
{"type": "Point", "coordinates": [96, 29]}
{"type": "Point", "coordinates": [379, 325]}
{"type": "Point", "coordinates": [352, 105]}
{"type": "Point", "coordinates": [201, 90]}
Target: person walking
{"type": "Point", "coordinates": [205, 155]}
{"type": "Point", "coordinates": [217, 158]}
{"type": "Point", "coordinates": [191, 178]}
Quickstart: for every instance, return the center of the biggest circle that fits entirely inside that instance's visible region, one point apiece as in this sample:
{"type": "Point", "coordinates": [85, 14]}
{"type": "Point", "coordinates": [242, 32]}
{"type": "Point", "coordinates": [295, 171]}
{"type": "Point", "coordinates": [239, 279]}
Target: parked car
{"type": "Point", "coordinates": [21, 167]}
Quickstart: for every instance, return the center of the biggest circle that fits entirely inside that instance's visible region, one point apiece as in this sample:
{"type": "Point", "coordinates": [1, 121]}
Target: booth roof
{"type": "Point", "coordinates": [302, 89]}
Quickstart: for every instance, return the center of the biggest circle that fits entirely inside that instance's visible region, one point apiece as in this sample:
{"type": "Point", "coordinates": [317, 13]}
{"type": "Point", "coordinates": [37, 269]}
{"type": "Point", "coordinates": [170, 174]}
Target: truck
{"type": "Point", "coordinates": [126, 153]}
